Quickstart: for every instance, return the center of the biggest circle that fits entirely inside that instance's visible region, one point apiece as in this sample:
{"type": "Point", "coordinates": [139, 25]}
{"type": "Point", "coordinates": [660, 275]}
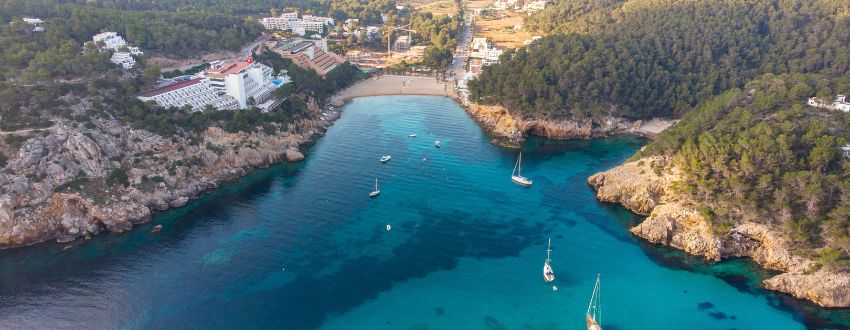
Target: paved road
{"type": "Point", "coordinates": [455, 70]}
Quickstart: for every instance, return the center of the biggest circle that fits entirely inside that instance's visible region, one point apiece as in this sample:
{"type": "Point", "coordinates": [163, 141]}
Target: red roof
{"type": "Point", "coordinates": [169, 88]}
{"type": "Point", "coordinates": [228, 68]}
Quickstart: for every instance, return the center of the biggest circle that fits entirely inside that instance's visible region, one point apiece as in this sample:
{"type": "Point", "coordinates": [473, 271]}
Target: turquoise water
{"type": "Point", "coordinates": [302, 246]}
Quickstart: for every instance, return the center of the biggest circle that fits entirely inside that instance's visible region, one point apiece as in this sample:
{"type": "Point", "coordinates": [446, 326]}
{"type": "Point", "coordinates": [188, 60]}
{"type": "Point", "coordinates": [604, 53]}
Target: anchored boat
{"type": "Point", "coordinates": [517, 177]}
{"type": "Point", "coordinates": [594, 310]}
{"type": "Point", "coordinates": [437, 143]}
{"type": "Point", "coordinates": [376, 191]}
{"type": "Point", "coordinates": [548, 274]}
{"type": "Point", "coordinates": [386, 158]}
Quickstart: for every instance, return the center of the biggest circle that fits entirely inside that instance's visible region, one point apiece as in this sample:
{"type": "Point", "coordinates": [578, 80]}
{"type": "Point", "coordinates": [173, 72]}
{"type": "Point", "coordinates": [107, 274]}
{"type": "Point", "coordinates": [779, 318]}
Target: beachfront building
{"type": "Point", "coordinates": [489, 55]}
{"type": "Point", "coordinates": [840, 103]}
{"type": "Point", "coordinates": [196, 93]}
{"type": "Point", "coordinates": [402, 44]}
{"type": "Point", "coordinates": [310, 54]}
{"type": "Point", "coordinates": [225, 86]}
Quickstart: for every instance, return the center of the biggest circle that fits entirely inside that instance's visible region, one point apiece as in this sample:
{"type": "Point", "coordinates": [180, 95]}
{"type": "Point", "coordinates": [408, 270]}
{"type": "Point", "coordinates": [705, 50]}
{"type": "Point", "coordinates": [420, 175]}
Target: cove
{"type": "Point", "coordinates": [301, 246]}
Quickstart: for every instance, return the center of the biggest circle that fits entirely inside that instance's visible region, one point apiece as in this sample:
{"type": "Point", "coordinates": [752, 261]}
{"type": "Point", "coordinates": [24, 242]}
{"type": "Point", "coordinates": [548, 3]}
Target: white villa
{"type": "Point", "coordinates": [35, 22]}
{"type": "Point", "coordinates": [840, 103]}
{"type": "Point", "coordinates": [122, 51]}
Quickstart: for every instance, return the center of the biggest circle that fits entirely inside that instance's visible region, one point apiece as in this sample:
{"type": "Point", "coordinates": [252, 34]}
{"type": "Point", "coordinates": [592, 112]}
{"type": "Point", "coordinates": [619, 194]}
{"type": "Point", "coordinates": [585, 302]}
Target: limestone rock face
{"type": "Point", "coordinates": [510, 129]}
{"type": "Point", "coordinates": [824, 288]}
{"type": "Point", "coordinates": [293, 155]}
{"type": "Point", "coordinates": [673, 221]}
{"type": "Point", "coordinates": [633, 184]}
{"type": "Point", "coordinates": [54, 187]}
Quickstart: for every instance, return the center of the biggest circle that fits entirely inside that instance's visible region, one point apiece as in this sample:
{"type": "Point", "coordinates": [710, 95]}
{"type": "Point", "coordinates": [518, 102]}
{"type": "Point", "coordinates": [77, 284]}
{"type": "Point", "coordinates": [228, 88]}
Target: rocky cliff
{"type": "Point", "coordinates": [645, 187]}
{"type": "Point", "coordinates": [74, 181]}
{"type": "Point", "coordinates": [510, 130]}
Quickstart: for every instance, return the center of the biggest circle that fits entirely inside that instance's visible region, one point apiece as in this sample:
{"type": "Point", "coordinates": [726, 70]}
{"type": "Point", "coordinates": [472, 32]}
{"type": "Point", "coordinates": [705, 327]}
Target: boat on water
{"type": "Point", "coordinates": [437, 143]}
{"type": "Point", "coordinates": [412, 135]}
{"type": "Point", "coordinates": [377, 191]}
{"type": "Point", "coordinates": [386, 158]}
{"type": "Point", "coordinates": [548, 274]}
{"type": "Point", "coordinates": [389, 227]}
{"type": "Point", "coordinates": [593, 317]}
{"type": "Point", "coordinates": [517, 177]}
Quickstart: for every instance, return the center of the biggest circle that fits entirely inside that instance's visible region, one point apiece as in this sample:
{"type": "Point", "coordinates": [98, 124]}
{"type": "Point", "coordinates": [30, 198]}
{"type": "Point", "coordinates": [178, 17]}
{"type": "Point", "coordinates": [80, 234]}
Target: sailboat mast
{"type": "Point", "coordinates": [594, 303]}
{"type": "Point", "coordinates": [549, 249]}
{"type": "Point", "coordinates": [519, 162]}
{"type": "Point", "coordinates": [376, 184]}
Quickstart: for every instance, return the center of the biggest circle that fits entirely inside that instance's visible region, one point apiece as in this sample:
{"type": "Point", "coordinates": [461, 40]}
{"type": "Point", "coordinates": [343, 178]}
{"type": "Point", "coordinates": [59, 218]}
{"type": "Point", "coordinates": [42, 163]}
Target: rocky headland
{"type": "Point", "coordinates": [511, 130]}
{"type": "Point", "coordinates": [645, 186]}
{"type": "Point", "coordinates": [73, 181]}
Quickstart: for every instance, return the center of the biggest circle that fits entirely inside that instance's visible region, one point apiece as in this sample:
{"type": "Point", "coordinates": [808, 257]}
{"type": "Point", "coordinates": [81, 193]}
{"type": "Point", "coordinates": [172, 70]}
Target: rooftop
{"type": "Point", "coordinates": [169, 88]}
{"type": "Point", "coordinates": [227, 69]}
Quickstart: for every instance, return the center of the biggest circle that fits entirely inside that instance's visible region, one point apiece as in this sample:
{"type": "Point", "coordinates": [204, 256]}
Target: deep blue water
{"type": "Point", "coordinates": [301, 246]}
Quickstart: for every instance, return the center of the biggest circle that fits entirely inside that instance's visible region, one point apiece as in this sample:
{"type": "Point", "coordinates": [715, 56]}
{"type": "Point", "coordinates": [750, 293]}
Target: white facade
{"type": "Point", "coordinates": [226, 86]}
{"type": "Point", "coordinates": [124, 59]}
{"type": "Point", "coordinates": [840, 103]}
{"type": "Point", "coordinates": [321, 19]}
{"type": "Point", "coordinates": [275, 23]}
{"type": "Point", "coordinates": [300, 26]}
{"type": "Point", "coordinates": [197, 93]}
{"type": "Point", "coordinates": [535, 5]}
{"type": "Point", "coordinates": [480, 43]}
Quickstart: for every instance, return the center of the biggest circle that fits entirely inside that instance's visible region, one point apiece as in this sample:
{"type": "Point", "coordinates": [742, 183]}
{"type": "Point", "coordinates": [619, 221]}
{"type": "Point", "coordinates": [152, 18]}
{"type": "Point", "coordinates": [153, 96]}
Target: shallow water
{"type": "Point", "coordinates": [302, 246]}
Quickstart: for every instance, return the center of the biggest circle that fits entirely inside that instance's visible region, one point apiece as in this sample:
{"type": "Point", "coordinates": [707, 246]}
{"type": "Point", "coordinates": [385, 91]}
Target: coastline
{"type": "Point", "coordinates": [673, 220]}
{"type": "Point", "coordinates": [396, 85]}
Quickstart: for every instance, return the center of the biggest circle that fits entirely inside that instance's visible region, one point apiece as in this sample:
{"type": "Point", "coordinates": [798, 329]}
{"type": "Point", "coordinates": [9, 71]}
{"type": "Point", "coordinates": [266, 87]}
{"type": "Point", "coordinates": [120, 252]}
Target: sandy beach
{"type": "Point", "coordinates": [396, 85]}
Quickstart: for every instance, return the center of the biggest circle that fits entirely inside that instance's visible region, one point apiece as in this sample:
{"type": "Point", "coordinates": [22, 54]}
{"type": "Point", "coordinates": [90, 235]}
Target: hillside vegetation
{"type": "Point", "coordinates": [761, 155]}
{"type": "Point", "coordinates": [649, 58]}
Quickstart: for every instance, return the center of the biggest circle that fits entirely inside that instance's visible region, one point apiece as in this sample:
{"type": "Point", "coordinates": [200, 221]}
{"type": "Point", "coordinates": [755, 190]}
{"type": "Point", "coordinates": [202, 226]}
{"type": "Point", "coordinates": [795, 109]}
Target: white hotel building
{"type": "Point", "coordinates": [228, 86]}
{"type": "Point", "coordinates": [290, 21]}
{"type": "Point", "coordinates": [112, 42]}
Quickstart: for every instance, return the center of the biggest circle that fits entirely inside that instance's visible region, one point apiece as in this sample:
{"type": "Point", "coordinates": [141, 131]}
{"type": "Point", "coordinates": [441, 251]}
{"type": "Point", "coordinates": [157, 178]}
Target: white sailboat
{"type": "Point", "coordinates": [437, 143]}
{"type": "Point", "coordinates": [389, 227]}
{"type": "Point", "coordinates": [386, 158]}
{"type": "Point", "coordinates": [412, 135]}
{"type": "Point", "coordinates": [376, 191]}
{"type": "Point", "coordinates": [517, 177]}
{"type": "Point", "coordinates": [593, 317]}
{"type": "Point", "coordinates": [548, 274]}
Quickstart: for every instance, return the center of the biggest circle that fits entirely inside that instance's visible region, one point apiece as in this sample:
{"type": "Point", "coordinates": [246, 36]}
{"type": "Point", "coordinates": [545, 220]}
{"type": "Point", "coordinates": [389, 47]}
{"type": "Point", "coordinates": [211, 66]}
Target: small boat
{"type": "Point", "coordinates": [386, 158]}
{"type": "Point", "coordinates": [554, 288]}
{"type": "Point", "coordinates": [593, 317]}
{"type": "Point", "coordinates": [517, 177]}
{"type": "Point", "coordinates": [376, 191]}
{"type": "Point", "coordinates": [412, 135]}
{"type": "Point", "coordinates": [156, 229]}
{"type": "Point", "coordinates": [437, 143]}
{"type": "Point", "coordinates": [389, 227]}
{"type": "Point", "coordinates": [548, 274]}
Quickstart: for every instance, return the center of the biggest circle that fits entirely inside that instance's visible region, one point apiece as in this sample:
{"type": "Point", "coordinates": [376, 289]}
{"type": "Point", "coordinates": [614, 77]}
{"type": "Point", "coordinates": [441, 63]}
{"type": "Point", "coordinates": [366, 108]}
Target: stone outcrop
{"type": "Point", "coordinates": [55, 187]}
{"type": "Point", "coordinates": [510, 130]}
{"type": "Point", "coordinates": [672, 220]}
